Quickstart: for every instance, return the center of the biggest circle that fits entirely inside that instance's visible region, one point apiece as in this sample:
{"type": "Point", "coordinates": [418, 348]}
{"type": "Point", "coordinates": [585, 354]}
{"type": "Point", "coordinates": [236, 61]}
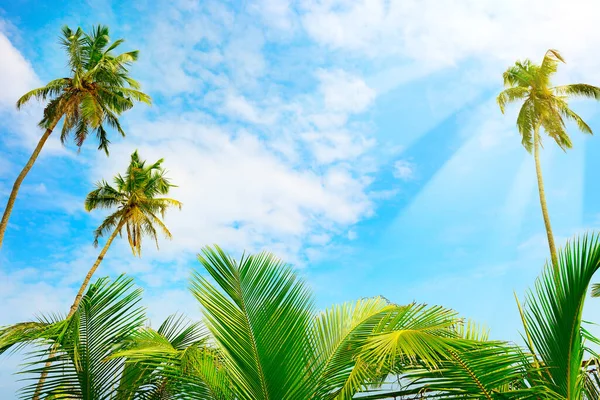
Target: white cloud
{"type": "Point", "coordinates": [295, 173]}
{"type": "Point", "coordinates": [238, 106]}
{"type": "Point", "coordinates": [334, 146]}
{"type": "Point", "coordinates": [173, 38]}
{"type": "Point", "coordinates": [16, 74]}
{"type": "Point", "coordinates": [445, 32]}
{"type": "Point", "coordinates": [244, 57]}
{"type": "Point", "coordinates": [275, 13]}
{"type": "Point", "coordinates": [344, 92]}
{"type": "Point", "coordinates": [238, 193]}
{"type": "Point", "coordinates": [404, 170]}
{"type": "Point", "coordinates": [42, 297]}
{"type": "Point", "coordinates": [17, 77]}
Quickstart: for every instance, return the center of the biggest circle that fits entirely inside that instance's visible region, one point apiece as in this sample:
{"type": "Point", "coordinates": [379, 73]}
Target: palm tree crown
{"type": "Point", "coordinates": [135, 198]}
{"type": "Point", "coordinates": [98, 90]}
{"type": "Point", "coordinates": [544, 105]}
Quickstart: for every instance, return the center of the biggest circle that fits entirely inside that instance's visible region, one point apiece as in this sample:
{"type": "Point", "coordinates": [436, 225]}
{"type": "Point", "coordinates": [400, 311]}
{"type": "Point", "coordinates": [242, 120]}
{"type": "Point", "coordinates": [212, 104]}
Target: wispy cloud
{"type": "Point", "coordinates": [404, 170]}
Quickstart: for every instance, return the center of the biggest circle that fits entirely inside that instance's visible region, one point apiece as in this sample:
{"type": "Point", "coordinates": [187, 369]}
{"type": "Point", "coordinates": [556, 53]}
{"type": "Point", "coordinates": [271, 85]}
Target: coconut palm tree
{"type": "Point", "coordinates": [85, 363]}
{"type": "Point", "coordinates": [94, 95]}
{"type": "Point", "coordinates": [543, 107]}
{"type": "Point", "coordinates": [264, 340]}
{"type": "Point", "coordinates": [139, 209]}
{"type": "Point", "coordinates": [268, 342]}
{"type": "Point", "coordinates": [560, 364]}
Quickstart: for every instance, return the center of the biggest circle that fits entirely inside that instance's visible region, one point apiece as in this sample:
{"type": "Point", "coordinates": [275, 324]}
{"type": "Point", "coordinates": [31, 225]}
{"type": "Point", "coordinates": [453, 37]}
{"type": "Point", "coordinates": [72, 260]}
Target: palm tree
{"type": "Point", "coordinates": [544, 106]}
{"type": "Point", "coordinates": [267, 342]}
{"type": "Point", "coordinates": [96, 93]}
{"type": "Point", "coordinates": [85, 363]}
{"type": "Point", "coordinates": [138, 209]}
{"type": "Point", "coordinates": [135, 198]}
{"type": "Point", "coordinates": [560, 365]}
{"type": "Point", "coordinates": [263, 340]}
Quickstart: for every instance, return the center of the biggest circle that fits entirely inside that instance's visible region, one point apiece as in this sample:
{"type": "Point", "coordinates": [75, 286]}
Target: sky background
{"type": "Point", "coordinates": [358, 140]}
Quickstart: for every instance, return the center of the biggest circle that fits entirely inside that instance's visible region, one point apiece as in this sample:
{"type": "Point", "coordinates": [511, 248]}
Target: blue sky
{"type": "Point", "coordinates": [359, 140]}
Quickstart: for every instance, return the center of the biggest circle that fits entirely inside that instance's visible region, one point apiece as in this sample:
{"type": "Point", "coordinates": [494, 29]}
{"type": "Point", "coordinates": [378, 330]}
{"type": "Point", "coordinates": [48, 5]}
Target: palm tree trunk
{"type": "Point", "coordinates": [75, 305]}
{"type": "Point", "coordinates": [17, 185]}
{"type": "Point", "coordinates": [538, 170]}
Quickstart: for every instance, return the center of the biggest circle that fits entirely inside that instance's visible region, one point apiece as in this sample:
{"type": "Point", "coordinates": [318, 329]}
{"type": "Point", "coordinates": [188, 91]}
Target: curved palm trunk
{"type": "Point", "coordinates": [76, 303]}
{"type": "Point", "coordinates": [17, 185]}
{"type": "Point", "coordinates": [538, 171]}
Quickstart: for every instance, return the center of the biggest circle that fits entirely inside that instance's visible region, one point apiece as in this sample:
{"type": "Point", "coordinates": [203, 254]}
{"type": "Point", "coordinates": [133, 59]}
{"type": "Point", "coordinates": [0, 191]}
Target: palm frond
{"type": "Point", "coordinates": [271, 310]}
{"type": "Point", "coordinates": [596, 290]}
{"type": "Point", "coordinates": [41, 332]}
{"type": "Point", "coordinates": [52, 89]}
{"type": "Point", "coordinates": [158, 361]}
{"type": "Point", "coordinates": [475, 370]}
{"type": "Point", "coordinates": [110, 223]}
{"type": "Point", "coordinates": [556, 129]}
{"type": "Point", "coordinates": [519, 74]}
{"type": "Point", "coordinates": [413, 333]}
{"type": "Point", "coordinates": [134, 196]}
{"type": "Point", "coordinates": [98, 90]}
{"type": "Point", "coordinates": [104, 196]}
{"type": "Point", "coordinates": [108, 315]}
{"type": "Point", "coordinates": [579, 90]}
{"type": "Point", "coordinates": [567, 113]}
{"type": "Point", "coordinates": [526, 124]}
{"type": "Point", "coordinates": [548, 68]}
{"type": "Point", "coordinates": [544, 106]}
{"type": "Point", "coordinates": [340, 333]}
{"type": "Point", "coordinates": [553, 314]}
{"type": "Point", "coordinates": [510, 95]}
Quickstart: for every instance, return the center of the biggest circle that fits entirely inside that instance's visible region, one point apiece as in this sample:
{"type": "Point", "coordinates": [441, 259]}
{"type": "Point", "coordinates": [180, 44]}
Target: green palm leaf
{"type": "Point", "coordinates": [340, 332]}
{"type": "Point", "coordinates": [262, 311]}
{"type": "Point", "coordinates": [108, 315]}
{"type": "Point", "coordinates": [553, 314]}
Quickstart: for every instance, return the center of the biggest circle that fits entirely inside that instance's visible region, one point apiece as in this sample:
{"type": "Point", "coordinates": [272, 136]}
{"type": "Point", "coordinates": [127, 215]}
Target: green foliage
{"type": "Point", "coordinates": [136, 198]}
{"type": "Point", "coordinates": [554, 368]}
{"type": "Point", "coordinates": [99, 348]}
{"type": "Point", "coordinates": [108, 314]}
{"type": "Point", "coordinates": [97, 91]}
{"type": "Point", "coordinates": [275, 346]}
{"type": "Point", "coordinates": [262, 339]}
{"type": "Point", "coordinates": [543, 105]}
{"type": "Point", "coordinates": [553, 314]}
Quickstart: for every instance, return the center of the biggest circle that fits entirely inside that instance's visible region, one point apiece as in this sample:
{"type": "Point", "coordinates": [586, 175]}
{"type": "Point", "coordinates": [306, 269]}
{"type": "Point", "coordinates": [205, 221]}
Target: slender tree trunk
{"type": "Point", "coordinates": [75, 305]}
{"type": "Point", "coordinates": [13, 194]}
{"type": "Point", "coordinates": [90, 273]}
{"type": "Point", "coordinates": [538, 170]}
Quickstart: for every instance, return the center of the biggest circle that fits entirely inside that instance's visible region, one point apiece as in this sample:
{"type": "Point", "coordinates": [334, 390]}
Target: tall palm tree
{"type": "Point", "coordinates": [139, 209]}
{"type": "Point", "coordinates": [138, 205]}
{"type": "Point", "coordinates": [94, 95]}
{"type": "Point", "coordinates": [544, 106]}
{"type": "Point", "coordinates": [560, 364]}
{"type": "Point", "coordinates": [86, 364]}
